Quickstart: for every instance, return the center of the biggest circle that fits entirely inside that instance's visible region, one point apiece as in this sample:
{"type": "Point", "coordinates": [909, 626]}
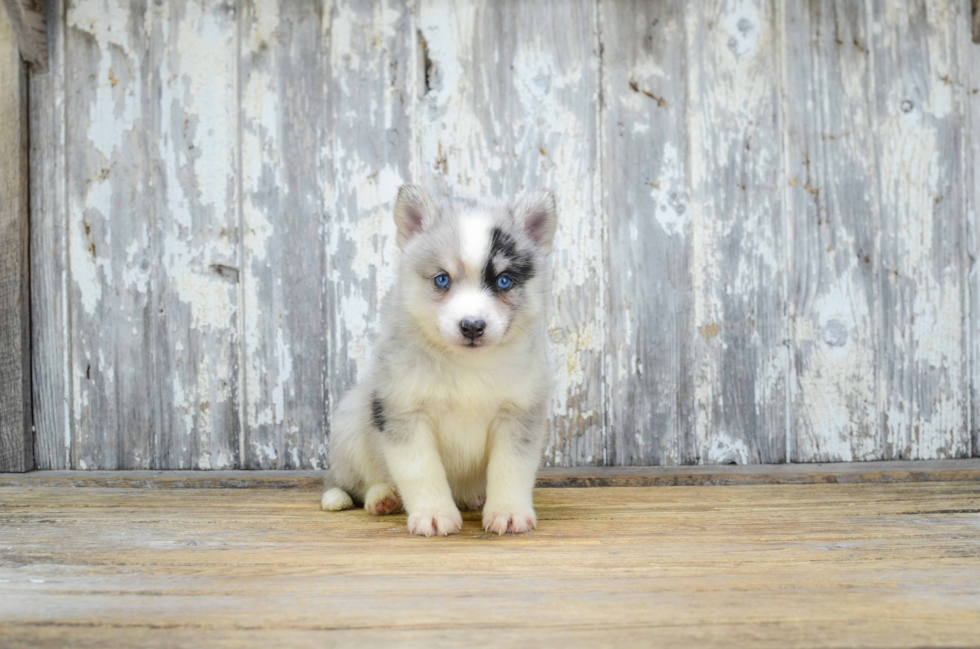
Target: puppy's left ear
{"type": "Point", "coordinates": [537, 215]}
{"type": "Point", "coordinates": [414, 211]}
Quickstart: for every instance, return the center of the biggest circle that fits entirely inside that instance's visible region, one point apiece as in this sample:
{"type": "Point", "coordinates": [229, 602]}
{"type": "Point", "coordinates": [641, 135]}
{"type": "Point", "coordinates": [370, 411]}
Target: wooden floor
{"type": "Point", "coordinates": [816, 565]}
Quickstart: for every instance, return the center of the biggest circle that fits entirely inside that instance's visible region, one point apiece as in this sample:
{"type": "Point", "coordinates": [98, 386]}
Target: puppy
{"type": "Point", "coordinates": [451, 412]}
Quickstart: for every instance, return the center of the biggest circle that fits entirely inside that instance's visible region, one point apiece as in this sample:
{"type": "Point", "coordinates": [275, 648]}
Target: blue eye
{"type": "Point", "coordinates": [442, 281]}
{"type": "Point", "coordinates": [504, 283]}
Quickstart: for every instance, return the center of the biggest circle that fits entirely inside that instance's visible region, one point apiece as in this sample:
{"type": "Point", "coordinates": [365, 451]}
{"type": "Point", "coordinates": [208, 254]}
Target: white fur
{"type": "Point", "coordinates": [460, 424]}
{"type": "Point", "coordinates": [475, 238]}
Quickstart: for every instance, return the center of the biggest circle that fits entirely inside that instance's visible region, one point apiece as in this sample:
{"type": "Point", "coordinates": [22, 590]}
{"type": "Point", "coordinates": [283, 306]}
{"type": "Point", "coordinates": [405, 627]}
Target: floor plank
{"type": "Point", "coordinates": [883, 565]}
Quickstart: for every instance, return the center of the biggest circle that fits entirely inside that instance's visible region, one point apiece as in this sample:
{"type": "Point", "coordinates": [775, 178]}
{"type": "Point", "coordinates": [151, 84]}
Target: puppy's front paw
{"type": "Point", "coordinates": [439, 523]}
{"type": "Point", "coordinates": [509, 520]}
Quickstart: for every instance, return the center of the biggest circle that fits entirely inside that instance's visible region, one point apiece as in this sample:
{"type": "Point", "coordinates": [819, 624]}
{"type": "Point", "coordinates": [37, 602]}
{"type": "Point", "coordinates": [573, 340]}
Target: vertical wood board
{"type": "Point", "coordinates": [16, 437]}
{"type": "Point", "coordinates": [740, 252]}
{"type": "Point", "coordinates": [152, 249]}
{"type": "Point", "coordinates": [831, 170]}
{"type": "Point", "coordinates": [51, 341]}
{"type": "Point", "coordinates": [646, 193]}
{"type": "Point", "coordinates": [918, 131]}
{"type": "Point", "coordinates": [970, 55]}
{"type": "Point", "coordinates": [284, 113]}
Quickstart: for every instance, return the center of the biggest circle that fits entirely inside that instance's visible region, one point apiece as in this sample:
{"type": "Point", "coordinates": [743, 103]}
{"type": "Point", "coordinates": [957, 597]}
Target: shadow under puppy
{"type": "Point", "coordinates": [451, 412]}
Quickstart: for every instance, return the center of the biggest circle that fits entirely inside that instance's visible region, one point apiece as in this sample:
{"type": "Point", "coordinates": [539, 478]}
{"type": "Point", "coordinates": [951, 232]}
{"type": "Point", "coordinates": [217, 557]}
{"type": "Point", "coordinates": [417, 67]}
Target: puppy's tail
{"type": "Point", "coordinates": [334, 498]}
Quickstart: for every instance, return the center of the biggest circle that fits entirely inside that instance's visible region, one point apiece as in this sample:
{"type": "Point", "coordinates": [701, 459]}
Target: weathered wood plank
{"type": "Point", "coordinates": [374, 77]}
{"type": "Point", "coordinates": [833, 212]}
{"type": "Point", "coordinates": [970, 55]}
{"type": "Point", "coordinates": [27, 19]}
{"type": "Point", "coordinates": [740, 256]}
{"type": "Point", "coordinates": [16, 436]}
{"type": "Point", "coordinates": [107, 214]}
{"type": "Point", "coordinates": [51, 339]}
{"type": "Point", "coordinates": [918, 129]}
{"type": "Point", "coordinates": [646, 193]}
{"type": "Point", "coordinates": [152, 214]}
{"type": "Point", "coordinates": [284, 140]}
{"type": "Point", "coordinates": [966, 470]}
{"type": "Point", "coordinates": [189, 122]}
{"type": "Point", "coordinates": [509, 105]}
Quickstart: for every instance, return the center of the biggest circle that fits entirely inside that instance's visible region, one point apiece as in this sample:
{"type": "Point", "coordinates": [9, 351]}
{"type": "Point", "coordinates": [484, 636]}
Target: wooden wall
{"type": "Point", "coordinates": [767, 219]}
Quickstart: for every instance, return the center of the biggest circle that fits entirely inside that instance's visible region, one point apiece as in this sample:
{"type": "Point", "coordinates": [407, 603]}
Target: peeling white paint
{"type": "Point", "coordinates": [260, 146]}
{"type": "Point", "coordinates": [282, 378]}
{"type": "Point", "coordinates": [726, 450]}
{"type": "Point", "coordinates": [205, 40]}
{"type": "Point", "coordinates": [670, 192]}
{"type": "Point", "coordinates": [117, 97]}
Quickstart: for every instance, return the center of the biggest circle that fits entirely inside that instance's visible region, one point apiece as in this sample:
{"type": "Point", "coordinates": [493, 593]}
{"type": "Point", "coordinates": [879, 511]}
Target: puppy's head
{"type": "Point", "coordinates": [473, 274]}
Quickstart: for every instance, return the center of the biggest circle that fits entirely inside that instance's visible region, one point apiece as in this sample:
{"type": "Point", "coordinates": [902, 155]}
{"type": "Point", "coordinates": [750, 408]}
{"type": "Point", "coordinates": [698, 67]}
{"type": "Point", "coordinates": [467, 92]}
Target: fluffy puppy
{"type": "Point", "coordinates": [451, 413]}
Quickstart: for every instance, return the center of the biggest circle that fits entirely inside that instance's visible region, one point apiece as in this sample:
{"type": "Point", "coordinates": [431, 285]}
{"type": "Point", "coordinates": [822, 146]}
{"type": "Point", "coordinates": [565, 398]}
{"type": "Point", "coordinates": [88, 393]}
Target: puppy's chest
{"type": "Point", "coordinates": [463, 433]}
{"type": "Point", "coordinates": [463, 407]}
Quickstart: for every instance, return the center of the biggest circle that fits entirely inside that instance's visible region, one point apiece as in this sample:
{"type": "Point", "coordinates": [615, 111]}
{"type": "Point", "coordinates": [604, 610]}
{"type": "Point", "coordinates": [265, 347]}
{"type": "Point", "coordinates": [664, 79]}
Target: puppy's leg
{"type": "Point", "coordinates": [413, 461]}
{"type": "Point", "coordinates": [514, 457]}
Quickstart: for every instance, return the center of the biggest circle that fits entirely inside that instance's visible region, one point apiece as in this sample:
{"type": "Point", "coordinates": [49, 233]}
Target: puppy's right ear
{"type": "Point", "coordinates": [414, 211]}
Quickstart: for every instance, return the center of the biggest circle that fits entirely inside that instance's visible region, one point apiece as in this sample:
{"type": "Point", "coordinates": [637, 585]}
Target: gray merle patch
{"type": "Point", "coordinates": [520, 264]}
{"type": "Point", "coordinates": [378, 413]}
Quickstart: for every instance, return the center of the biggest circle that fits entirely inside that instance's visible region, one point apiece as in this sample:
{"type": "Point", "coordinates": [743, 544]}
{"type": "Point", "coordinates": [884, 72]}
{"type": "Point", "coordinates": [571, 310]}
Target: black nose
{"type": "Point", "coordinates": [472, 329]}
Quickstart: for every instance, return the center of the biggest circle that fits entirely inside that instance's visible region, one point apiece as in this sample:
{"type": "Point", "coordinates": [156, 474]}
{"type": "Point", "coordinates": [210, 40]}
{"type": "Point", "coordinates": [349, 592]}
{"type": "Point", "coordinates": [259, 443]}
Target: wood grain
{"type": "Point", "coordinates": [16, 436]}
{"type": "Point", "coordinates": [779, 566]}
{"type": "Point", "coordinates": [50, 277]}
{"type": "Point", "coordinates": [27, 20]}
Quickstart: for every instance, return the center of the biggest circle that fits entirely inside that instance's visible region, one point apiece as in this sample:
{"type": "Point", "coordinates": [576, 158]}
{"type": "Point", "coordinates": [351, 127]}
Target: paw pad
{"type": "Point", "coordinates": [501, 523]}
{"type": "Point", "coordinates": [382, 501]}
